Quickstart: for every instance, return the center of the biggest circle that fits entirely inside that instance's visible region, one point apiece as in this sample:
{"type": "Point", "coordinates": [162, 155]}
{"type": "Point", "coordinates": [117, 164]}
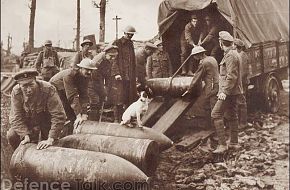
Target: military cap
{"type": "Point", "coordinates": [87, 64]}
{"type": "Point", "coordinates": [239, 42]}
{"type": "Point", "coordinates": [197, 50]}
{"type": "Point", "coordinates": [150, 45]}
{"type": "Point", "coordinates": [25, 75]}
{"type": "Point", "coordinates": [157, 42]}
{"type": "Point", "coordinates": [110, 47]}
{"type": "Point", "coordinates": [224, 35]}
{"type": "Point", "coordinates": [86, 41]}
{"type": "Point", "coordinates": [47, 42]}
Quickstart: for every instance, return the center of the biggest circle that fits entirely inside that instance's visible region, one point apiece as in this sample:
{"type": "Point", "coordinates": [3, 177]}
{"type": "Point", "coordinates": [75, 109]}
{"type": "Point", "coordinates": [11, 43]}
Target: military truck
{"type": "Point", "coordinates": [262, 24]}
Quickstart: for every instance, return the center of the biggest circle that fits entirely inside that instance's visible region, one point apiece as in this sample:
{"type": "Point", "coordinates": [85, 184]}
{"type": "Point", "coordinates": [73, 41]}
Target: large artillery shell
{"type": "Point", "coordinates": [175, 88]}
{"type": "Point", "coordinates": [115, 129]}
{"type": "Point", "coordinates": [76, 167]}
{"type": "Point", "coordinates": [141, 152]}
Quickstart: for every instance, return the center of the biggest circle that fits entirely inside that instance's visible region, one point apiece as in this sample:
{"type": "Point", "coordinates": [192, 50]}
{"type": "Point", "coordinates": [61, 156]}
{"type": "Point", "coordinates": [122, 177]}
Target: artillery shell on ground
{"type": "Point", "coordinates": [74, 167]}
{"type": "Point", "coordinates": [141, 152]}
{"type": "Point", "coordinates": [178, 85]}
{"type": "Point", "coordinates": [115, 129]}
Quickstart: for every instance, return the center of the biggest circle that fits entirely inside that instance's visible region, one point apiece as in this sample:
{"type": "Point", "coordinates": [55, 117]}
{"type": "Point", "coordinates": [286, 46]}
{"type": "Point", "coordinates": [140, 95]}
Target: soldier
{"type": "Point", "coordinates": [97, 92]}
{"type": "Point", "coordinates": [208, 73]}
{"type": "Point", "coordinates": [47, 62]}
{"type": "Point", "coordinates": [189, 39]}
{"type": "Point", "coordinates": [158, 64]}
{"type": "Point", "coordinates": [124, 71]}
{"type": "Point", "coordinates": [141, 59]}
{"type": "Point", "coordinates": [242, 101]}
{"type": "Point", "coordinates": [230, 87]}
{"type": "Point", "coordinates": [72, 87]}
{"type": "Point", "coordinates": [84, 53]}
{"type": "Point", "coordinates": [35, 108]}
{"type": "Point", "coordinates": [209, 37]}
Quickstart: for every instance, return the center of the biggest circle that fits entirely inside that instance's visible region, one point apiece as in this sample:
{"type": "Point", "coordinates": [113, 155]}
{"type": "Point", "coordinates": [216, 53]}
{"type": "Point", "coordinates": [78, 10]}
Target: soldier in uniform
{"type": "Point", "coordinates": [84, 53]}
{"type": "Point", "coordinates": [188, 40]}
{"type": "Point", "coordinates": [141, 59]}
{"type": "Point", "coordinates": [124, 72]}
{"type": "Point", "coordinates": [242, 101]}
{"type": "Point", "coordinates": [35, 108]}
{"type": "Point", "coordinates": [158, 64]}
{"type": "Point", "coordinates": [101, 83]}
{"type": "Point", "coordinates": [47, 62]}
{"type": "Point", "coordinates": [230, 87]}
{"type": "Point", "coordinates": [208, 73]}
{"type": "Point", "coordinates": [72, 87]}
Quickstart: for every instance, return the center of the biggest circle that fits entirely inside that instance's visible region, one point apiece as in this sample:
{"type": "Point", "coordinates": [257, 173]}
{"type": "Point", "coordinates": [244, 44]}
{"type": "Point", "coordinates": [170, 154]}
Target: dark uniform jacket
{"type": "Point", "coordinates": [230, 81]}
{"type": "Point", "coordinates": [191, 34]}
{"type": "Point", "coordinates": [159, 65]}
{"type": "Point", "coordinates": [208, 72]}
{"type": "Point", "coordinates": [104, 67]}
{"type": "Point", "coordinates": [46, 107]}
{"type": "Point", "coordinates": [47, 59]}
{"type": "Point", "coordinates": [75, 87]}
{"type": "Point", "coordinates": [126, 67]}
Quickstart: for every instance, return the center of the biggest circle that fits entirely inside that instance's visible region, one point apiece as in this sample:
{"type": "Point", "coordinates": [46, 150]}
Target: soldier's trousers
{"type": "Point", "coordinates": [226, 109]}
{"type": "Point", "coordinates": [242, 110]}
{"type": "Point", "coordinates": [48, 72]}
{"type": "Point", "coordinates": [14, 139]}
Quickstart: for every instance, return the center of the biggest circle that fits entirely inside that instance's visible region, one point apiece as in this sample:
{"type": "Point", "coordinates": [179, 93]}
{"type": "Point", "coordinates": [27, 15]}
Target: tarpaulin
{"type": "Point", "coordinates": [254, 20]}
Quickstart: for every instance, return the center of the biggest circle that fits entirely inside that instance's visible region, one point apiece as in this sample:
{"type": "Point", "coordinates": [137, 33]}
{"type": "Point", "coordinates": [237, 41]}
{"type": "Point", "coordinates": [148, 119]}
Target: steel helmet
{"type": "Point", "coordinates": [87, 64]}
{"type": "Point", "coordinates": [197, 50]}
{"type": "Point", "coordinates": [130, 29]}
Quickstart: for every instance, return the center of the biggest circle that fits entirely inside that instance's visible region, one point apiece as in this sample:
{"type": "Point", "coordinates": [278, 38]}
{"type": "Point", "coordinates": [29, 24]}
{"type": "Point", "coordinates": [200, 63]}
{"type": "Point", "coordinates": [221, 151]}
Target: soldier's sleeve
{"type": "Point", "coordinates": [72, 94]}
{"type": "Point", "coordinates": [38, 62]}
{"type": "Point", "coordinates": [76, 60]}
{"type": "Point", "coordinates": [212, 33]}
{"type": "Point", "coordinates": [83, 97]}
{"type": "Point", "coordinates": [196, 78]}
{"type": "Point", "coordinates": [187, 34]}
{"type": "Point", "coordinates": [17, 116]}
{"type": "Point", "coordinates": [57, 63]}
{"type": "Point", "coordinates": [232, 69]}
{"type": "Point", "coordinates": [149, 67]}
{"type": "Point", "coordinates": [57, 113]}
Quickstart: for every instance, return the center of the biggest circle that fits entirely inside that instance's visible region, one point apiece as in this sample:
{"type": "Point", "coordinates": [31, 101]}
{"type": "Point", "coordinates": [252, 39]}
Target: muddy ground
{"type": "Point", "coordinates": [261, 163]}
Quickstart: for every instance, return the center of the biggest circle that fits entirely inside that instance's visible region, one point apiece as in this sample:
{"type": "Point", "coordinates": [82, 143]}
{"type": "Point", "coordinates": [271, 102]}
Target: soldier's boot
{"type": "Point", "coordinates": [94, 113]}
{"type": "Point", "coordinates": [190, 67]}
{"type": "Point", "coordinates": [243, 116]}
{"type": "Point", "coordinates": [233, 134]}
{"type": "Point", "coordinates": [220, 131]}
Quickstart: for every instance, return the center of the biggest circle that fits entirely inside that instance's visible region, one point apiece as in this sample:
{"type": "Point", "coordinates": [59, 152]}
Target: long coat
{"type": "Point", "coordinates": [126, 67]}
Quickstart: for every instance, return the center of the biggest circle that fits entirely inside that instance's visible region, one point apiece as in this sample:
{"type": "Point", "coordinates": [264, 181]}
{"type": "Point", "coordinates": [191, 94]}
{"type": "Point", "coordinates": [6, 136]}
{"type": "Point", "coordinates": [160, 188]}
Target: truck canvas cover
{"type": "Point", "coordinates": [254, 21]}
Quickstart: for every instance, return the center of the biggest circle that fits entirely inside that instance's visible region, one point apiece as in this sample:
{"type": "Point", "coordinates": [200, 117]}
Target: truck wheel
{"type": "Point", "coordinates": [272, 94]}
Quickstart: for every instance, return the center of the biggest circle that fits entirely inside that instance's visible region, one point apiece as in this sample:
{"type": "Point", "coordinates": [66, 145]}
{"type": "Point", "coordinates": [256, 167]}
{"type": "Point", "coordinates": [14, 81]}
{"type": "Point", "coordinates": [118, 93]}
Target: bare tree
{"type": "Point", "coordinates": [31, 25]}
{"type": "Point", "coordinates": [102, 6]}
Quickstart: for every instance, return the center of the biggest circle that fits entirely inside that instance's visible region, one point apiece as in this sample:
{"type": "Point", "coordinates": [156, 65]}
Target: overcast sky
{"type": "Point", "coordinates": [55, 20]}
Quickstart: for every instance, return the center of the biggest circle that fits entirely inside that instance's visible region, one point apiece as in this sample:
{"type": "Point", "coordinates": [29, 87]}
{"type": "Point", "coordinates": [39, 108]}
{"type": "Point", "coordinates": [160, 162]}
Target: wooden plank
{"type": "Point", "coordinates": [154, 107]}
{"type": "Point", "coordinates": [168, 119]}
{"type": "Point", "coordinates": [192, 140]}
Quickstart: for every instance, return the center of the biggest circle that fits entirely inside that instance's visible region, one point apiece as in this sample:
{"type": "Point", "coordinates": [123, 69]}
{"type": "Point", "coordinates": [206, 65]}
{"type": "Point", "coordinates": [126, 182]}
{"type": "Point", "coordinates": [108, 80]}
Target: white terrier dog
{"type": "Point", "coordinates": [136, 110]}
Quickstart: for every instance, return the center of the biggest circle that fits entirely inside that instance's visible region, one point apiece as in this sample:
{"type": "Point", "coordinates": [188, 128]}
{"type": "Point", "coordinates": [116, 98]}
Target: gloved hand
{"type": "Point", "coordinates": [118, 77]}
{"type": "Point", "coordinates": [80, 119]}
{"type": "Point", "coordinates": [25, 140]}
{"type": "Point", "coordinates": [45, 144]}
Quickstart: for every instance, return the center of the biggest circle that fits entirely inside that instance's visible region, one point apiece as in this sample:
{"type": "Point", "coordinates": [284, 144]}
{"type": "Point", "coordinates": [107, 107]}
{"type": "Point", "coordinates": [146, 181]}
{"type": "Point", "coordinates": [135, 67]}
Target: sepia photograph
{"type": "Point", "coordinates": [145, 95]}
